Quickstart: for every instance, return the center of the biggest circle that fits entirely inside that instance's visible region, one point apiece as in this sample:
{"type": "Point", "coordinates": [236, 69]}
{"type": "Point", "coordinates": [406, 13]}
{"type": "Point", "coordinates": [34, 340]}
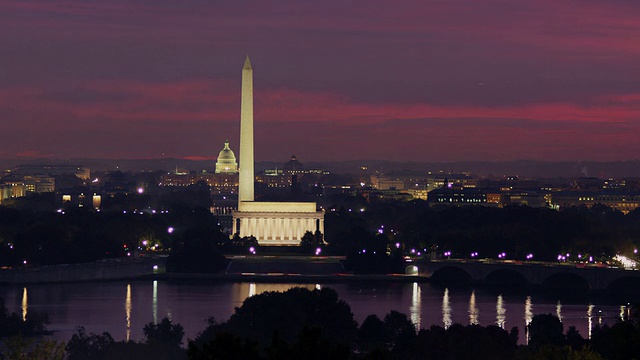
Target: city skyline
{"type": "Point", "coordinates": [405, 81]}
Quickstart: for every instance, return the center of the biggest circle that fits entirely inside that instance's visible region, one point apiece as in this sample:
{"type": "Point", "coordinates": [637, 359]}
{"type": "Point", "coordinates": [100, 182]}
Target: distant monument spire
{"type": "Point", "coordinates": [245, 186]}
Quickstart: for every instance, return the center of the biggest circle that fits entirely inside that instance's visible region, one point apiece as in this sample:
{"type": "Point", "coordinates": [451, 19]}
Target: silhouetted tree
{"type": "Point", "coordinates": [164, 332]}
{"type": "Point", "coordinates": [545, 329]}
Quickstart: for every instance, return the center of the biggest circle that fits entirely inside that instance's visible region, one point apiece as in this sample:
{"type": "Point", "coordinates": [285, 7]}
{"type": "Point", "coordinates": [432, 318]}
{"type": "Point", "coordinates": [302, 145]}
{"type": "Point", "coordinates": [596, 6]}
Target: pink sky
{"type": "Point", "coordinates": [335, 80]}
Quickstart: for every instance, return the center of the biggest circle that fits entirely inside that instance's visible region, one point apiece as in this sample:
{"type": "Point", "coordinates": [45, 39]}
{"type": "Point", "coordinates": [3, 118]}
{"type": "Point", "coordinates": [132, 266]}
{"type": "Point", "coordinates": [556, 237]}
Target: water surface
{"type": "Point", "coordinates": [123, 308]}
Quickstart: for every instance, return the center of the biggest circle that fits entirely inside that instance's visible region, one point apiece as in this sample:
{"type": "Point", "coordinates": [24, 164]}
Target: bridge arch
{"type": "Point", "coordinates": [506, 277]}
{"type": "Point", "coordinates": [451, 274]}
{"type": "Point", "coordinates": [566, 281]}
{"type": "Point", "coordinates": [412, 270]}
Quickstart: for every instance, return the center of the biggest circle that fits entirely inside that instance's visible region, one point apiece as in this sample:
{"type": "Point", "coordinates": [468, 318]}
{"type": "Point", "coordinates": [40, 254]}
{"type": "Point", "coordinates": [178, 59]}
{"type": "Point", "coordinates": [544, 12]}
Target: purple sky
{"type": "Point", "coordinates": [335, 80]}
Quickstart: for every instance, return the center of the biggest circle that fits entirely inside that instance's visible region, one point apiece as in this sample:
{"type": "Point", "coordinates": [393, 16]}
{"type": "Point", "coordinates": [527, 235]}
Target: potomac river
{"type": "Point", "coordinates": [122, 308]}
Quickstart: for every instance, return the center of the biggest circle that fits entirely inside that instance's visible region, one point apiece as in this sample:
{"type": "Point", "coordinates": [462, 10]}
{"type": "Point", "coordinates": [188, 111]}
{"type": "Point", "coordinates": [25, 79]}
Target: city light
{"type": "Point", "coordinates": [170, 230]}
{"type": "Point", "coordinates": [627, 263]}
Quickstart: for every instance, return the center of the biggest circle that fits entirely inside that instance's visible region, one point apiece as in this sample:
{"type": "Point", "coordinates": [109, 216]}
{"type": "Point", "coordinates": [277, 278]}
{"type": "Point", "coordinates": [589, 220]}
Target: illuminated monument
{"type": "Point", "coordinates": [272, 223]}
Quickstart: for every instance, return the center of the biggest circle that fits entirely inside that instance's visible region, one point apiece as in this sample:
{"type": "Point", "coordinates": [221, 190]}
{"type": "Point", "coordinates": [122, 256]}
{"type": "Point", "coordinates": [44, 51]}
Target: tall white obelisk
{"type": "Point", "coordinates": [245, 186]}
{"type": "Point", "coordinates": [272, 223]}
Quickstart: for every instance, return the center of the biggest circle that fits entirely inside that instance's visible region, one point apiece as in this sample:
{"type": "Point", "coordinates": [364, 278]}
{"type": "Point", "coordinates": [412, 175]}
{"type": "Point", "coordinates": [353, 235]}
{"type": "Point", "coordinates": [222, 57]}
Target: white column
{"type": "Point", "coordinates": [246, 178]}
{"type": "Point", "coordinates": [292, 228]}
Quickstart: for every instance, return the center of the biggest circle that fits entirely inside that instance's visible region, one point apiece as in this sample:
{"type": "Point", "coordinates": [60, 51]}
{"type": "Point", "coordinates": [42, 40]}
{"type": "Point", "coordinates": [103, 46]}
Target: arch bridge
{"type": "Point", "coordinates": [535, 273]}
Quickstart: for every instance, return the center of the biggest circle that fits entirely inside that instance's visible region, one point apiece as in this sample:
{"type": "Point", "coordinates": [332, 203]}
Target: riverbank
{"type": "Point", "coordinates": [105, 270]}
{"type": "Point", "coordinates": [267, 269]}
{"type": "Point", "coordinates": [285, 278]}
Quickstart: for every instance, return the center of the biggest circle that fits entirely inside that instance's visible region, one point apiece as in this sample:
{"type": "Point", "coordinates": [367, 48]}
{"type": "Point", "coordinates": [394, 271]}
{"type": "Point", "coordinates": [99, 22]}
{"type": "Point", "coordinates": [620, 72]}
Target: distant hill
{"type": "Point", "coordinates": [522, 168]}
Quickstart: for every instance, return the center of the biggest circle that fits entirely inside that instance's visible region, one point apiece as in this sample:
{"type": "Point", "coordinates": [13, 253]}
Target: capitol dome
{"type": "Point", "coordinates": [293, 165]}
{"type": "Point", "coordinates": [226, 163]}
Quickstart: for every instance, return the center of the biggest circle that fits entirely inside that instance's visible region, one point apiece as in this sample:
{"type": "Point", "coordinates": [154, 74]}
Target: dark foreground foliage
{"type": "Point", "coordinates": [12, 324]}
{"type": "Point", "coordinates": [162, 342]}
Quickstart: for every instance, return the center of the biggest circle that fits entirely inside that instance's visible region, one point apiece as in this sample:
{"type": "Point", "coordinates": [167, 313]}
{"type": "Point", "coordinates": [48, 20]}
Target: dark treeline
{"type": "Point", "coordinates": [80, 235]}
{"type": "Point", "coordinates": [599, 231]}
{"type": "Point", "coordinates": [375, 236]}
{"type": "Point", "coordinates": [304, 324]}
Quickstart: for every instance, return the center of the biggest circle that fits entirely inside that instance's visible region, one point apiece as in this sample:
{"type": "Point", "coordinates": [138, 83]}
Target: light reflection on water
{"type": "Point", "coordinates": [25, 304]}
{"type": "Point", "coordinates": [127, 311]}
{"type": "Point", "coordinates": [416, 304]}
{"type": "Point", "coordinates": [98, 306]}
{"type": "Point", "coordinates": [154, 302]}
{"type": "Point", "coordinates": [501, 312]}
{"type": "Point", "coordinates": [446, 310]}
{"type": "Point", "coordinates": [473, 309]}
{"type": "Point", "coordinates": [528, 315]}
{"type": "Point", "coordinates": [559, 311]}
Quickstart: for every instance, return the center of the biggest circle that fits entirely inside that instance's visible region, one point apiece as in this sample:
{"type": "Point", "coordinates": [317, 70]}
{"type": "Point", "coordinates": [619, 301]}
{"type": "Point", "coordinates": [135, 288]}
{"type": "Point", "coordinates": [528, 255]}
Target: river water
{"type": "Point", "coordinates": [123, 308]}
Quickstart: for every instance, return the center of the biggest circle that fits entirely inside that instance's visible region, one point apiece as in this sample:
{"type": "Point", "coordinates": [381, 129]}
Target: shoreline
{"type": "Point", "coordinates": [289, 278]}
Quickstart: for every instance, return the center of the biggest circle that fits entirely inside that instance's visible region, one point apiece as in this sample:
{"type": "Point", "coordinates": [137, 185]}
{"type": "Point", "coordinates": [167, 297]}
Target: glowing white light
{"type": "Point", "coordinates": [415, 308]}
{"type": "Point", "coordinates": [25, 304]}
{"type": "Point", "coordinates": [528, 316]}
{"type": "Point", "coordinates": [501, 312]}
{"type": "Point", "coordinates": [127, 311]}
{"type": "Point", "coordinates": [627, 263]}
{"type": "Point", "coordinates": [559, 310]}
{"type": "Point", "coordinates": [446, 309]}
{"type": "Point", "coordinates": [473, 309]}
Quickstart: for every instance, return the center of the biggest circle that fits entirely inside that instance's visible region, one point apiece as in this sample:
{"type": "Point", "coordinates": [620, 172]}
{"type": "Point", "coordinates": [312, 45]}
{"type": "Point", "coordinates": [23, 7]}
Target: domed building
{"type": "Point", "coordinates": [293, 166]}
{"type": "Point", "coordinates": [226, 163]}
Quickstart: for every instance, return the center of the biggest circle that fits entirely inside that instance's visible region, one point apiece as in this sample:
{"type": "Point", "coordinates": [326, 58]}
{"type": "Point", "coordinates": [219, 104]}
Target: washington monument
{"type": "Point", "coordinates": [245, 190]}
{"type": "Point", "coordinates": [272, 223]}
